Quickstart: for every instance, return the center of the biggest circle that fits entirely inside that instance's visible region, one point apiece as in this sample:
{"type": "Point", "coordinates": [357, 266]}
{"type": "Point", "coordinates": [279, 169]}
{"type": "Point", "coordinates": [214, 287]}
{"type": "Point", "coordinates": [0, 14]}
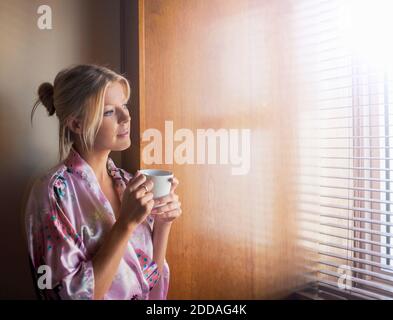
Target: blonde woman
{"type": "Point", "coordinates": [91, 229]}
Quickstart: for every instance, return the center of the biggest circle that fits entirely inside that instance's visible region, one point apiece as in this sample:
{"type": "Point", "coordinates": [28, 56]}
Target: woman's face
{"type": "Point", "coordinates": [114, 133]}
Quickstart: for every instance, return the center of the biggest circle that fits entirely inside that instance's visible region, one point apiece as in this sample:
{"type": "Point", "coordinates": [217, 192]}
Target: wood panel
{"type": "Point", "coordinates": [218, 64]}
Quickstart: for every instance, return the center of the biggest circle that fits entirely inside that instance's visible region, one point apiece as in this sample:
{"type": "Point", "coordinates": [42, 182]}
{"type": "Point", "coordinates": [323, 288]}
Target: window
{"type": "Point", "coordinates": [345, 143]}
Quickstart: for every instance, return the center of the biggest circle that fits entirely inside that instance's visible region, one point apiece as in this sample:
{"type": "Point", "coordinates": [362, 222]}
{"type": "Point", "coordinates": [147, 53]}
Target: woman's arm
{"type": "Point", "coordinates": [107, 259]}
{"type": "Point", "coordinates": [161, 232]}
{"type": "Point", "coordinates": [135, 207]}
{"type": "Point", "coordinates": [165, 214]}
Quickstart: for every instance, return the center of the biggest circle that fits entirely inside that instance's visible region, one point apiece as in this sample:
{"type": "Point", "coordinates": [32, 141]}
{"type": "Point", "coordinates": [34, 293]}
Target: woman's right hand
{"type": "Point", "coordinates": [137, 203]}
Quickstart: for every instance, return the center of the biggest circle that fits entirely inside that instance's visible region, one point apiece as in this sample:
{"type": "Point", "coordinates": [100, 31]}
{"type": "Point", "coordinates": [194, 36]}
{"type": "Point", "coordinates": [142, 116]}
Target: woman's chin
{"type": "Point", "coordinates": [123, 145]}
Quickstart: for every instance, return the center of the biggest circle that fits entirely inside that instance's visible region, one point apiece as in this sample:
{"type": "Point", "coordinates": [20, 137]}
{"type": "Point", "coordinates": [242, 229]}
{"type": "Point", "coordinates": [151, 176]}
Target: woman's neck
{"type": "Point", "coordinates": [97, 160]}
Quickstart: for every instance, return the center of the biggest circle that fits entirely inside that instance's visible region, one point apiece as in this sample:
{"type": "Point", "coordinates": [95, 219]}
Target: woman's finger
{"type": "Point", "coordinates": [142, 190]}
{"type": "Point", "coordinates": [134, 184]}
{"type": "Point", "coordinates": [165, 199]}
{"type": "Point", "coordinates": [168, 207]}
{"type": "Point", "coordinates": [136, 175]}
{"type": "Point", "coordinates": [146, 198]}
{"type": "Point", "coordinates": [171, 215]}
{"type": "Point", "coordinates": [174, 183]}
{"type": "Point", "coordinates": [174, 180]}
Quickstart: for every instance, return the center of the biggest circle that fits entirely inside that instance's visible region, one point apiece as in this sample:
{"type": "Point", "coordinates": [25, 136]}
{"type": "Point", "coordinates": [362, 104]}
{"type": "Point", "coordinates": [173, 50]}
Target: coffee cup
{"type": "Point", "coordinates": [161, 180]}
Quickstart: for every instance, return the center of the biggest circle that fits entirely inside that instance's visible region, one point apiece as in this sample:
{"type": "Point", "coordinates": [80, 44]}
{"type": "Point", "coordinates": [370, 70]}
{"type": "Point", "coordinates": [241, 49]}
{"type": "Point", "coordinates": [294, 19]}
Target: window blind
{"type": "Point", "coordinates": [345, 155]}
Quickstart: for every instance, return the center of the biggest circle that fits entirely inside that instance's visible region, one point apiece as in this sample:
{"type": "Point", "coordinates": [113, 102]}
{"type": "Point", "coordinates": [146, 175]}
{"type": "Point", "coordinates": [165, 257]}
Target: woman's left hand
{"type": "Point", "coordinates": [170, 208]}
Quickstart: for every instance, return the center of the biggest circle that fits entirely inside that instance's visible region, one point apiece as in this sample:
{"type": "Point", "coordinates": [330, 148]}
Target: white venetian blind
{"type": "Point", "coordinates": [345, 145]}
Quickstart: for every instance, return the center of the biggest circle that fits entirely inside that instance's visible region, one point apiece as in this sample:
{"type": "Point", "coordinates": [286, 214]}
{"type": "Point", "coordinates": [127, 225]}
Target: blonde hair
{"type": "Point", "coordinates": [78, 91]}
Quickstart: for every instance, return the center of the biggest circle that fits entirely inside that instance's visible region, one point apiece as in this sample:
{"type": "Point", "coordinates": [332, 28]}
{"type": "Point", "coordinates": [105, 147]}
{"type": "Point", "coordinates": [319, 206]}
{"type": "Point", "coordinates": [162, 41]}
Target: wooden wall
{"type": "Point", "coordinates": [219, 64]}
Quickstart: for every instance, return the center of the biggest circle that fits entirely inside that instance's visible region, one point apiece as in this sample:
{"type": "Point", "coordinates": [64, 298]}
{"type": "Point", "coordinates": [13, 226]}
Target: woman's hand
{"type": "Point", "coordinates": [137, 201]}
{"type": "Point", "coordinates": [170, 208]}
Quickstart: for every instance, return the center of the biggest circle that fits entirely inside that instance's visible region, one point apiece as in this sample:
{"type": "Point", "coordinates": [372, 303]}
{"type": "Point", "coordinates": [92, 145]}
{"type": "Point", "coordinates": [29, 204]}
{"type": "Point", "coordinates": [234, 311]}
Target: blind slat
{"type": "Point", "coordinates": [354, 269]}
{"type": "Point", "coordinates": [354, 158]}
{"type": "Point", "coordinates": [350, 138]}
{"type": "Point", "coordinates": [349, 248]}
{"type": "Point", "coordinates": [355, 199]}
{"type": "Point", "coordinates": [364, 293]}
{"type": "Point", "coordinates": [356, 219]}
{"type": "Point", "coordinates": [358, 106]}
{"type": "Point", "coordinates": [345, 178]}
{"type": "Point", "coordinates": [374, 284]}
{"type": "Point", "coordinates": [357, 168]}
{"type": "Point", "coordinates": [356, 189]}
{"type": "Point", "coordinates": [350, 208]}
{"type": "Point", "coordinates": [379, 233]}
{"type": "Point", "coordinates": [353, 259]}
{"type": "Point", "coordinates": [386, 245]}
{"type": "Point", "coordinates": [353, 116]}
{"type": "Point", "coordinates": [353, 249]}
{"type": "Point", "coordinates": [346, 157]}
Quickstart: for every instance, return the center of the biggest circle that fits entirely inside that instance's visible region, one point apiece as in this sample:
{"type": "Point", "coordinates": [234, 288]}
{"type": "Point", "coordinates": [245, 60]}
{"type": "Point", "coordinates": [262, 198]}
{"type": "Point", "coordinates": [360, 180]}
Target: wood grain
{"type": "Point", "coordinates": [218, 64]}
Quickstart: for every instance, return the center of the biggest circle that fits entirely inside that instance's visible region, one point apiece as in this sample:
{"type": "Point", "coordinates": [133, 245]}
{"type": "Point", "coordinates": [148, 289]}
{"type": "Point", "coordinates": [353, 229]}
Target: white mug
{"type": "Point", "coordinates": [161, 180]}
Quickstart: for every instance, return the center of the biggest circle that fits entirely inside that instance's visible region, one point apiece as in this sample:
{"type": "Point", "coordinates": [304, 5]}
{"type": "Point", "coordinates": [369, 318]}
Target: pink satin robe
{"type": "Point", "coordinates": [67, 218]}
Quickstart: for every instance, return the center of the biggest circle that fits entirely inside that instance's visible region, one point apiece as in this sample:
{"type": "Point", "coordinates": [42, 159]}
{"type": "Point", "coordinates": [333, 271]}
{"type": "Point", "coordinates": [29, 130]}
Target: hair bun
{"type": "Point", "coordinates": [45, 94]}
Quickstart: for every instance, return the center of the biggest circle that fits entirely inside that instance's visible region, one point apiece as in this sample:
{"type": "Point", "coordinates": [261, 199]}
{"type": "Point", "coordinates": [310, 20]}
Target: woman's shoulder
{"type": "Point", "coordinates": [44, 193]}
{"type": "Point", "coordinates": [53, 180]}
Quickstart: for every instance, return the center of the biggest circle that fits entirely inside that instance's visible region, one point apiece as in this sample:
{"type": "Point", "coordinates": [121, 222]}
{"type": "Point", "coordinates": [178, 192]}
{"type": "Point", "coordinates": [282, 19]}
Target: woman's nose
{"type": "Point", "coordinates": [124, 117]}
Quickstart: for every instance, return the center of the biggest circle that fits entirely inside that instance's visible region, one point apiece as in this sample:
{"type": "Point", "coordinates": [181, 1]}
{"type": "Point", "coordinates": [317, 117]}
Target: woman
{"type": "Point", "coordinates": [91, 228]}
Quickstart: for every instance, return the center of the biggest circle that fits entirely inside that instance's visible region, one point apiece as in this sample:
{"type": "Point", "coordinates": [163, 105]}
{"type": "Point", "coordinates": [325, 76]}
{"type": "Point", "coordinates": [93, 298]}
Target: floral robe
{"type": "Point", "coordinates": [67, 219]}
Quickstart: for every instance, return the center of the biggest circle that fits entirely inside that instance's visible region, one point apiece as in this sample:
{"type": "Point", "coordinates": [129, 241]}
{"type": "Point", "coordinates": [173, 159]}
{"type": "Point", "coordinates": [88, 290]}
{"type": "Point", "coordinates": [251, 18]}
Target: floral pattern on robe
{"type": "Point", "coordinates": [67, 218]}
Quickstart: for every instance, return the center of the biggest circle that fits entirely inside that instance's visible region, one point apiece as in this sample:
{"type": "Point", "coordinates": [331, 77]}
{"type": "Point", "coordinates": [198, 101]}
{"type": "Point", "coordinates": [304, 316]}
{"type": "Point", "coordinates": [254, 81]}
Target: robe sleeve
{"type": "Point", "coordinates": [158, 282]}
{"type": "Point", "coordinates": [55, 246]}
{"type": "Point", "coordinates": [160, 289]}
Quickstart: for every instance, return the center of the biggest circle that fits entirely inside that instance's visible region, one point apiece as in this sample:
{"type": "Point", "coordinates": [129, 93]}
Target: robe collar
{"type": "Point", "coordinates": [76, 164]}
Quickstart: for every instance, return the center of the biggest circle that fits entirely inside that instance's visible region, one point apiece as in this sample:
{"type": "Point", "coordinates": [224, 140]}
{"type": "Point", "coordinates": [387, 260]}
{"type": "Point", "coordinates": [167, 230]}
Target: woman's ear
{"type": "Point", "coordinates": [74, 125]}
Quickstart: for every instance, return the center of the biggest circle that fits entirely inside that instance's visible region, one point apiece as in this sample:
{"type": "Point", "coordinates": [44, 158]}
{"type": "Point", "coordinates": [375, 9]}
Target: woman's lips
{"type": "Point", "coordinates": [123, 134]}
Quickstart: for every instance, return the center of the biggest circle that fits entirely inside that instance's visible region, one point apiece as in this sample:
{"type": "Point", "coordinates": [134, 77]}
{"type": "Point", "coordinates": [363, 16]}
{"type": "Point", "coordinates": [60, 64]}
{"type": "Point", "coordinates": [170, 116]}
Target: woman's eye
{"type": "Point", "coordinates": [110, 112]}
